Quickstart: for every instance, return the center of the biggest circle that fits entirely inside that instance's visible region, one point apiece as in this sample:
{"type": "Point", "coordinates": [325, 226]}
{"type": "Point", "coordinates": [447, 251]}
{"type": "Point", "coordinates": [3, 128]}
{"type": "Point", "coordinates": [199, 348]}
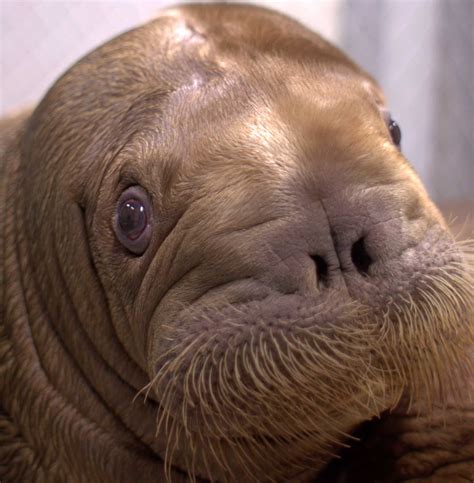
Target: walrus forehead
{"type": "Point", "coordinates": [283, 136]}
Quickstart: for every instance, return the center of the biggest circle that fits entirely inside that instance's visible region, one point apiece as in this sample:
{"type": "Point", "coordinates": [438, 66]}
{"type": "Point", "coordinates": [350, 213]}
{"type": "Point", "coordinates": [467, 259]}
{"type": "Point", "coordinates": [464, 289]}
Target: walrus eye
{"type": "Point", "coordinates": [395, 132]}
{"type": "Point", "coordinates": [132, 220]}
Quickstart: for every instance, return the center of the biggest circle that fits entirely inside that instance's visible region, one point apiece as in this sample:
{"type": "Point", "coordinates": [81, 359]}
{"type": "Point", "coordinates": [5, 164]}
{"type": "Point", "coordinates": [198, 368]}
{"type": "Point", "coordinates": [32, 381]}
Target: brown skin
{"type": "Point", "coordinates": [298, 280]}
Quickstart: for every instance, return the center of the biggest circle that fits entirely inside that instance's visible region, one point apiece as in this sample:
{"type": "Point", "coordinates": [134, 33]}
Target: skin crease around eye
{"type": "Point", "coordinates": [133, 220]}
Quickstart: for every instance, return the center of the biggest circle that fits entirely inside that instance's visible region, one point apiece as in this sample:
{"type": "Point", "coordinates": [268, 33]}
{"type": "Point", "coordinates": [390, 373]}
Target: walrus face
{"type": "Point", "coordinates": [270, 258]}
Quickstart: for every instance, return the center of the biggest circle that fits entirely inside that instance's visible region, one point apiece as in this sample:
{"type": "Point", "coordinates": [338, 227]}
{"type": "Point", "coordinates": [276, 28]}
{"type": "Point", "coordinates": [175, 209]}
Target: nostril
{"type": "Point", "coordinates": [360, 258]}
{"type": "Point", "coordinates": [321, 269]}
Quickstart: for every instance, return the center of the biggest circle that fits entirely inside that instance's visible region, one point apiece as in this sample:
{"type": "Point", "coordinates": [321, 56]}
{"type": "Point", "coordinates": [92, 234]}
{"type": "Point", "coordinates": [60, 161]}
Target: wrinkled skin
{"type": "Point", "coordinates": [298, 281]}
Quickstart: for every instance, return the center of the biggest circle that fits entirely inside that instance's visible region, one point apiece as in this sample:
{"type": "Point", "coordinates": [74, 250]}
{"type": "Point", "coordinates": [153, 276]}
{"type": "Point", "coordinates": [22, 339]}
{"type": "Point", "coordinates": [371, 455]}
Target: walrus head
{"type": "Point", "coordinates": [222, 198]}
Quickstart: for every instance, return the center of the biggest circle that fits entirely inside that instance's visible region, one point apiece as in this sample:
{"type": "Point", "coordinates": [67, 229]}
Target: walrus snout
{"type": "Point", "coordinates": [362, 234]}
{"type": "Point", "coordinates": [365, 231]}
{"type": "Point", "coordinates": [339, 242]}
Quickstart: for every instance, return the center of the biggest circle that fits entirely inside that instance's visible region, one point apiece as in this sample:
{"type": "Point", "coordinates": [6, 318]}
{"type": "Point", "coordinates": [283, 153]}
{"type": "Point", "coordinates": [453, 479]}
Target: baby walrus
{"type": "Point", "coordinates": [217, 264]}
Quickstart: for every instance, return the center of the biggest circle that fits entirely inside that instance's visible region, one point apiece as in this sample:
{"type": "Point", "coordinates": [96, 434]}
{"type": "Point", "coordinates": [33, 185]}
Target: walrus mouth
{"type": "Point", "coordinates": [273, 388]}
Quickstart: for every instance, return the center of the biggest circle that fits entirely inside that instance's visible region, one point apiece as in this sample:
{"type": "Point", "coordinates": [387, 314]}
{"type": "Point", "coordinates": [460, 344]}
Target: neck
{"type": "Point", "coordinates": [66, 373]}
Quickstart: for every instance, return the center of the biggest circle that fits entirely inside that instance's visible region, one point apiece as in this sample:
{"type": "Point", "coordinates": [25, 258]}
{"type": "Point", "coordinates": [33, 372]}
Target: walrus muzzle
{"type": "Point", "coordinates": [291, 374]}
